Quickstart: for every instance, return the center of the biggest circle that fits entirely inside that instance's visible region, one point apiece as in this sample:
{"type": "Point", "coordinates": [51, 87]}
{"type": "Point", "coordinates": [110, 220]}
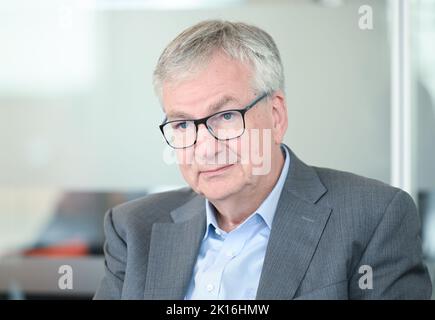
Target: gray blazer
{"type": "Point", "coordinates": [327, 225]}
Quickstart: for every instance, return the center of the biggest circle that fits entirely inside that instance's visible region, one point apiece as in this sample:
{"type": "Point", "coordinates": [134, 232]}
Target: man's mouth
{"type": "Point", "coordinates": [215, 171]}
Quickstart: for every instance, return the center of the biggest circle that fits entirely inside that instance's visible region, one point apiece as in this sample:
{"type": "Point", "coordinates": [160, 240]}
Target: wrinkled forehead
{"type": "Point", "coordinates": [224, 81]}
{"type": "Point", "coordinates": [224, 102]}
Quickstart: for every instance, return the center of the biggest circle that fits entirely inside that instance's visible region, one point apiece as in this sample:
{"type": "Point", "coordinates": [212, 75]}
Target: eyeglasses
{"type": "Point", "coordinates": [223, 125]}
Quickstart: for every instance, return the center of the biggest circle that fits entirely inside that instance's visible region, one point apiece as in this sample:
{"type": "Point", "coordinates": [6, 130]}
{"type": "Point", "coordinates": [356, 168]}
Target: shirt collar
{"type": "Point", "coordinates": [267, 208]}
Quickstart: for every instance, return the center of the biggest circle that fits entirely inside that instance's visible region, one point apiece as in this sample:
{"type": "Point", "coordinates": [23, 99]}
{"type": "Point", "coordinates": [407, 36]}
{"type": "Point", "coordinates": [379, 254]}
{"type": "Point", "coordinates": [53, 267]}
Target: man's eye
{"type": "Point", "coordinates": [227, 115]}
{"type": "Point", "coordinates": [181, 125]}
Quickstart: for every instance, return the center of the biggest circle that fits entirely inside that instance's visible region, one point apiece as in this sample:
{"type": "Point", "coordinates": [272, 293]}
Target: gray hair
{"type": "Point", "coordinates": [195, 46]}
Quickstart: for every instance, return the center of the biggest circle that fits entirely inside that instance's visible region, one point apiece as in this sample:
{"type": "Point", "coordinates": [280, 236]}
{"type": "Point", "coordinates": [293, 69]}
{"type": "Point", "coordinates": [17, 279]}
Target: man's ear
{"type": "Point", "coordinates": [279, 116]}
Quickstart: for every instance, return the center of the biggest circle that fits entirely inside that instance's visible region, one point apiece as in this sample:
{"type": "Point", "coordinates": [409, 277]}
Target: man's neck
{"type": "Point", "coordinates": [232, 211]}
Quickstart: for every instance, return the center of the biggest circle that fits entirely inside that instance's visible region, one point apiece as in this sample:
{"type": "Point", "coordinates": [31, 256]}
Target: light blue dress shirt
{"type": "Point", "coordinates": [229, 264]}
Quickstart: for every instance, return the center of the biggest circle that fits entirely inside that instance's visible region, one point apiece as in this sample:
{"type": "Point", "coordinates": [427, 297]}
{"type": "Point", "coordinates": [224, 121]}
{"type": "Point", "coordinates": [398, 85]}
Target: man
{"type": "Point", "coordinates": [256, 222]}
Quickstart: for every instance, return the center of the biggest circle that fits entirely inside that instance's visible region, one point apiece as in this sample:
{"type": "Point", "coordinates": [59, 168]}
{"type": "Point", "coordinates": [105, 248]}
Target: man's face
{"type": "Point", "coordinates": [214, 168]}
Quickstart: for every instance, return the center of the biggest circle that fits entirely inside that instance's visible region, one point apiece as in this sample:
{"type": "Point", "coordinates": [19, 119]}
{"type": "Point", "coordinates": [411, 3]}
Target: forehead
{"type": "Point", "coordinates": [223, 81]}
{"type": "Point", "coordinates": [222, 103]}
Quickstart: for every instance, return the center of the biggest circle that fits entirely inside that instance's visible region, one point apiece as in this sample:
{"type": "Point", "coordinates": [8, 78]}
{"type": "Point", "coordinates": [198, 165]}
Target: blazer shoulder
{"type": "Point", "coordinates": [337, 181]}
{"type": "Point", "coordinates": [151, 208]}
{"type": "Point", "coordinates": [356, 193]}
{"type": "Point", "coordinates": [360, 205]}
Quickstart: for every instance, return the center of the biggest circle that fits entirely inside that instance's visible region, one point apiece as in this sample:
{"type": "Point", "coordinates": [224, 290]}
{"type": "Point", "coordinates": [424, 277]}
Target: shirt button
{"type": "Point", "coordinates": [230, 254]}
{"type": "Point", "coordinates": [210, 287]}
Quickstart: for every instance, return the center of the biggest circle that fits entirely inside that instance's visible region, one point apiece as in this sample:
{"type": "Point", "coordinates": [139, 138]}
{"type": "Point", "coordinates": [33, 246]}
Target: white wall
{"type": "Point", "coordinates": [106, 135]}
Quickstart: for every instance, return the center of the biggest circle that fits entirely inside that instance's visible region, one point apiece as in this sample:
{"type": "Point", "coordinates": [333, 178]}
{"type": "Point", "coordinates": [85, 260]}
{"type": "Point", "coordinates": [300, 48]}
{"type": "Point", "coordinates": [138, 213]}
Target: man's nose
{"type": "Point", "coordinates": [206, 143]}
{"type": "Point", "coordinates": [203, 135]}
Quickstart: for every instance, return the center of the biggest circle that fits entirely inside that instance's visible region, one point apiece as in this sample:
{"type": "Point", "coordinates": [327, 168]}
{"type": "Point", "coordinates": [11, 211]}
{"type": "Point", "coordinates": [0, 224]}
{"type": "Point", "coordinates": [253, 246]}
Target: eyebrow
{"type": "Point", "coordinates": [214, 107]}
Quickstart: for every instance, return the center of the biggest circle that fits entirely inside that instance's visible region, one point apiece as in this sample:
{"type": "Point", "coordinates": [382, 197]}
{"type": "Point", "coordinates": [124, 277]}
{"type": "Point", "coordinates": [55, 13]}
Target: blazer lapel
{"type": "Point", "coordinates": [173, 251]}
{"type": "Point", "coordinates": [296, 230]}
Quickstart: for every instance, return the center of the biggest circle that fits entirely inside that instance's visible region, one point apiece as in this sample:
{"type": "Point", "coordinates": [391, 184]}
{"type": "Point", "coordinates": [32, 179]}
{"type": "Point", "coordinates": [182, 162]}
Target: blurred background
{"type": "Point", "coordinates": [79, 118]}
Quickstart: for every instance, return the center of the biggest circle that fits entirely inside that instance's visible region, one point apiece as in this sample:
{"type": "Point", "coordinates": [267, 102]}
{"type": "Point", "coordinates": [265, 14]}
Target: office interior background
{"type": "Point", "coordinates": [79, 118]}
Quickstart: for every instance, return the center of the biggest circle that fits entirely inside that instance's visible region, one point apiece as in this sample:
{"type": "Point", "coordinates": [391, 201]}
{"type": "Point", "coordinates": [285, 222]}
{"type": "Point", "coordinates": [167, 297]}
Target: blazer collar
{"type": "Point", "coordinates": [173, 251]}
{"type": "Point", "coordinates": [302, 180]}
{"type": "Point", "coordinates": [296, 230]}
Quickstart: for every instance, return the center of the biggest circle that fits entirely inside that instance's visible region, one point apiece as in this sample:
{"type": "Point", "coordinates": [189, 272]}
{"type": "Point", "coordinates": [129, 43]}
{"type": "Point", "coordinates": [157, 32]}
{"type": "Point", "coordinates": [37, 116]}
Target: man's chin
{"type": "Point", "coordinates": [218, 191]}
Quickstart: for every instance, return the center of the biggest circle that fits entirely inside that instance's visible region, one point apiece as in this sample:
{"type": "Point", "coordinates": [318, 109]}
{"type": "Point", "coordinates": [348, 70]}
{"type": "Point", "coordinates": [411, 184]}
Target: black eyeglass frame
{"type": "Point", "coordinates": [204, 120]}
